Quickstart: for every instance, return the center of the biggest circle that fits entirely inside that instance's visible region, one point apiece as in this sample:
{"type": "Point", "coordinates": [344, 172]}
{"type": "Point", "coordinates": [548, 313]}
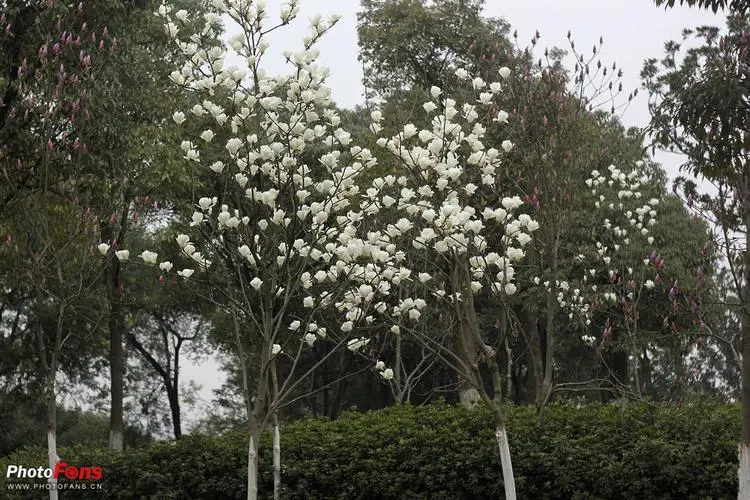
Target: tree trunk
{"type": "Point", "coordinates": [276, 435]}
{"type": "Point", "coordinates": [171, 382]}
{"type": "Point", "coordinates": [501, 435]}
{"type": "Point", "coordinates": [116, 326]}
{"type": "Point", "coordinates": [52, 432]}
{"type": "Point", "coordinates": [547, 344]}
{"type": "Point", "coordinates": [116, 372]}
{"type": "Point", "coordinates": [536, 341]}
{"type": "Point", "coordinates": [276, 459]}
{"type": "Point", "coordinates": [744, 471]}
{"type": "Point", "coordinates": [252, 467]}
{"type": "Point", "coordinates": [174, 408]}
{"type": "Point", "coordinates": [744, 448]}
{"type": "Point", "coordinates": [468, 395]}
{"type": "Point", "coordinates": [399, 392]}
{"type": "Point", "coordinates": [471, 349]}
{"type": "Point", "coordinates": [174, 400]}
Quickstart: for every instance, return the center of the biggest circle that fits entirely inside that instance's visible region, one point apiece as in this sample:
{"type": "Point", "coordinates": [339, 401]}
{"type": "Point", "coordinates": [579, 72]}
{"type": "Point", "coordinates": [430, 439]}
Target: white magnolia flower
{"type": "Point", "coordinates": [387, 374]}
{"type": "Point", "coordinates": [183, 240]}
{"type": "Point", "coordinates": [186, 273]}
{"type": "Point", "coordinates": [379, 365]}
{"type": "Point", "coordinates": [165, 266]}
{"type": "Point", "coordinates": [523, 238]}
{"type": "Point", "coordinates": [123, 255]}
{"type": "Point", "coordinates": [310, 338]}
{"type": "Point", "coordinates": [196, 219]}
{"type": "Point", "coordinates": [504, 72]}
{"type": "Point", "coordinates": [275, 349]}
{"type": "Point", "coordinates": [649, 284]}
{"type": "Point", "coordinates": [178, 117]}
{"type": "Point", "coordinates": [171, 30]}
{"type": "Point", "coordinates": [357, 344]}
{"type": "Point", "coordinates": [429, 107]}
{"type": "Point", "coordinates": [294, 325]}
{"type": "Point", "coordinates": [149, 257]}
{"type": "Point", "coordinates": [103, 248]}
{"type": "Point", "coordinates": [256, 283]}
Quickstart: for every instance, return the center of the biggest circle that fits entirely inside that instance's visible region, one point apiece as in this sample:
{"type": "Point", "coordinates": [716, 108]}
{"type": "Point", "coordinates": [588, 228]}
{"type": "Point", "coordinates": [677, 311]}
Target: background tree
{"type": "Point", "coordinates": [564, 127]}
{"type": "Point", "coordinates": [699, 106]}
{"type": "Point", "coordinates": [715, 5]}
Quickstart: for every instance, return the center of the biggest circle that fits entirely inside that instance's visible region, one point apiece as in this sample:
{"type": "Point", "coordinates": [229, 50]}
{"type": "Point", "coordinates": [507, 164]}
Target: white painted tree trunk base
{"type": "Point", "coordinates": [53, 459]}
{"type": "Point", "coordinates": [276, 463]}
{"type": "Point", "coordinates": [509, 481]}
{"type": "Point", "coordinates": [744, 472]}
{"type": "Point", "coordinates": [252, 470]}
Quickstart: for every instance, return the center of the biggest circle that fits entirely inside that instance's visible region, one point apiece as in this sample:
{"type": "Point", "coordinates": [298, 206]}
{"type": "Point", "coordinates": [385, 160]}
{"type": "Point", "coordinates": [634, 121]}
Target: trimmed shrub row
{"type": "Point", "coordinates": [439, 452]}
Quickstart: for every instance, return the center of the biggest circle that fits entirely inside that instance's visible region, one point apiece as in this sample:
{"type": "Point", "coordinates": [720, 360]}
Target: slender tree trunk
{"type": "Point", "coordinates": [509, 368]}
{"type": "Point", "coordinates": [548, 345]}
{"type": "Point", "coordinates": [399, 393]}
{"type": "Point", "coordinates": [50, 371]}
{"type": "Point", "coordinates": [174, 408]}
{"type": "Point", "coordinates": [252, 466]}
{"type": "Point", "coordinates": [276, 434]}
{"type": "Point", "coordinates": [501, 435]}
{"type": "Point", "coordinates": [257, 416]}
{"type": "Point", "coordinates": [744, 448]}
{"type": "Point", "coordinates": [116, 326]}
{"type": "Point", "coordinates": [471, 349]}
{"type": "Point", "coordinates": [276, 458]}
{"type": "Point", "coordinates": [52, 431]}
{"type": "Point", "coordinates": [536, 353]}
{"type": "Point", "coordinates": [116, 372]}
{"type": "Point", "coordinates": [171, 382]}
{"type": "Point", "coordinates": [174, 401]}
{"type": "Point", "coordinates": [256, 409]}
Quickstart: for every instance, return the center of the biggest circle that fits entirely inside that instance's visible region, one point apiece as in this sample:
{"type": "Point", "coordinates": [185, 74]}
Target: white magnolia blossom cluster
{"type": "Point", "coordinates": [301, 229]}
{"type": "Point", "coordinates": [569, 299]}
{"type": "Point", "coordinates": [628, 218]}
{"type": "Point", "coordinates": [438, 205]}
{"type": "Point", "coordinates": [386, 373]}
{"type": "Point", "coordinates": [589, 340]}
{"type": "Point", "coordinates": [287, 216]}
{"type": "Point", "coordinates": [618, 195]}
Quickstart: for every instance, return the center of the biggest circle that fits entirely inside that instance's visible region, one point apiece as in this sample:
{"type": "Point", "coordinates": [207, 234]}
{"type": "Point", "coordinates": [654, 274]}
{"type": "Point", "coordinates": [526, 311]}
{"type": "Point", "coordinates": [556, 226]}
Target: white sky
{"type": "Point", "coordinates": [633, 30]}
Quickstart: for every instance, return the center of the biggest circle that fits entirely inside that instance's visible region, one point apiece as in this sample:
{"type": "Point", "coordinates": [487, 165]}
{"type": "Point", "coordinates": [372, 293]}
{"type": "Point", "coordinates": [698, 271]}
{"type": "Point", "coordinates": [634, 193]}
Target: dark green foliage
{"type": "Point", "coordinates": [714, 5]}
{"type": "Point", "coordinates": [597, 451]}
{"type": "Point", "coordinates": [23, 420]}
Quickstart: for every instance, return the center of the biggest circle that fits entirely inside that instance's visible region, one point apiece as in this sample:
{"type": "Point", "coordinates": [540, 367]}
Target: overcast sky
{"type": "Point", "coordinates": [633, 30]}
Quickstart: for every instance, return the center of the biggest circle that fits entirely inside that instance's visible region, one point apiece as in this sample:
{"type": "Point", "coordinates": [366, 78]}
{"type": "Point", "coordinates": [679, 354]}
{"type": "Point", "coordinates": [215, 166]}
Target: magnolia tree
{"type": "Point", "coordinates": [276, 240]}
{"type": "Point", "coordinates": [561, 133]}
{"type": "Point", "coordinates": [623, 269]}
{"type": "Point", "coordinates": [630, 290]}
{"type": "Point", "coordinates": [51, 58]}
{"type": "Point", "coordinates": [455, 234]}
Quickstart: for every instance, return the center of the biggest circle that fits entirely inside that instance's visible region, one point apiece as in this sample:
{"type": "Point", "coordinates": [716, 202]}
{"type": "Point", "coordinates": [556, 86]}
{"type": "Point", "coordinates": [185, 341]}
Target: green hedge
{"type": "Point", "coordinates": [442, 452]}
